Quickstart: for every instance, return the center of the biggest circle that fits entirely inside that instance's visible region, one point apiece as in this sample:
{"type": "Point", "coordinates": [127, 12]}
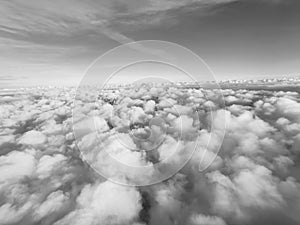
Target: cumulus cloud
{"type": "Point", "coordinates": [244, 163]}
{"type": "Point", "coordinates": [48, 163]}
{"type": "Point", "coordinates": [16, 165]}
{"type": "Point", "coordinates": [34, 138]}
{"type": "Point", "coordinates": [289, 108]}
{"type": "Point", "coordinates": [54, 203]}
{"type": "Point", "coordinates": [105, 203]}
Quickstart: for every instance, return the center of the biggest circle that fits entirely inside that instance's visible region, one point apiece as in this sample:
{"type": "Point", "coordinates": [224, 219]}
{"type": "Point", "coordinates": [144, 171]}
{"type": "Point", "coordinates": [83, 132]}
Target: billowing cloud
{"type": "Point", "coordinates": [244, 164]}
{"type": "Point", "coordinates": [105, 203]}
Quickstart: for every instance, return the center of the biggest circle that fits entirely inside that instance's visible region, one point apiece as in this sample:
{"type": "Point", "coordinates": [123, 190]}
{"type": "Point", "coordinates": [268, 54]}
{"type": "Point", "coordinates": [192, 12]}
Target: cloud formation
{"type": "Point", "coordinates": [44, 178]}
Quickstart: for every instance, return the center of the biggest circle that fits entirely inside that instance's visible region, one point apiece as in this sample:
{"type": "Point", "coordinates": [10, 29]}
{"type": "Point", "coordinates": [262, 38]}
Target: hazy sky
{"type": "Point", "coordinates": [55, 41]}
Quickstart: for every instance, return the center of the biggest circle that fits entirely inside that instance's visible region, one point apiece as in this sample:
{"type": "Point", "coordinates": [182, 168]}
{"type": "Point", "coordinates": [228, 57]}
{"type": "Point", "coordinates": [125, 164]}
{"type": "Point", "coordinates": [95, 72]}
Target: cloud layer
{"type": "Point", "coordinates": [252, 180]}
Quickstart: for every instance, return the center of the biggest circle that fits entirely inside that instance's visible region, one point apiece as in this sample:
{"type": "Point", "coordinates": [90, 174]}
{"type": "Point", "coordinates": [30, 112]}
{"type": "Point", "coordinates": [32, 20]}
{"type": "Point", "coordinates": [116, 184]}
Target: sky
{"type": "Point", "coordinates": [54, 42]}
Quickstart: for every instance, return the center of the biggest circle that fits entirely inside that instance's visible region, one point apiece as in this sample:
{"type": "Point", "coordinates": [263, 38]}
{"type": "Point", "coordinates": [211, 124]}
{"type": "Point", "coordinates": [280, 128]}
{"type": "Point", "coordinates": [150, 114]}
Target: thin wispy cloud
{"type": "Point", "coordinates": [74, 33]}
{"type": "Point", "coordinates": [32, 19]}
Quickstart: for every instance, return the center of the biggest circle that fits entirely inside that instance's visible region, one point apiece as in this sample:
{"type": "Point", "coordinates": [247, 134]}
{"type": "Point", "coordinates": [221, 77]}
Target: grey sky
{"type": "Point", "coordinates": [55, 41]}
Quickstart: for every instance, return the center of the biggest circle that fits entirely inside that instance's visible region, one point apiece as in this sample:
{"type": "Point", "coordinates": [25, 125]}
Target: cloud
{"type": "Point", "coordinates": [54, 203]}
{"type": "Point", "coordinates": [262, 192]}
{"type": "Point", "coordinates": [16, 165]}
{"type": "Point", "coordinates": [48, 163]}
{"type": "Point", "coordinates": [248, 177]}
{"type": "Point", "coordinates": [90, 16]}
{"type": "Point", "coordinates": [34, 138]}
{"type": "Point", "coordinates": [11, 214]}
{"type": "Point", "coordinates": [289, 108]}
{"type": "Point", "coordinates": [149, 106]}
{"type": "Point", "coordinates": [200, 219]}
{"type": "Point", "coordinates": [105, 203]}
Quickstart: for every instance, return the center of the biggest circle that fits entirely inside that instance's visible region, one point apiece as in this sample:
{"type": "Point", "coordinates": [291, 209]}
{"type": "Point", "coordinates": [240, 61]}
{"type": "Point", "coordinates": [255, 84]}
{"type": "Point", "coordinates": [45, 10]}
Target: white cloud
{"type": "Point", "coordinates": [33, 138]}
{"type": "Point", "coordinates": [16, 165]}
{"type": "Point", "coordinates": [52, 204]}
{"type": "Point", "coordinates": [48, 163]}
{"type": "Point", "coordinates": [257, 188]}
{"type": "Point", "coordinates": [43, 178]}
{"type": "Point", "coordinates": [200, 219]}
{"type": "Point", "coordinates": [105, 203]}
{"type": "Point", "coordinates": [289, 108]}
{"type": "Point", "coordinates": [10, 214]}
{"type": "Point", "coordinates": [149, 106]}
